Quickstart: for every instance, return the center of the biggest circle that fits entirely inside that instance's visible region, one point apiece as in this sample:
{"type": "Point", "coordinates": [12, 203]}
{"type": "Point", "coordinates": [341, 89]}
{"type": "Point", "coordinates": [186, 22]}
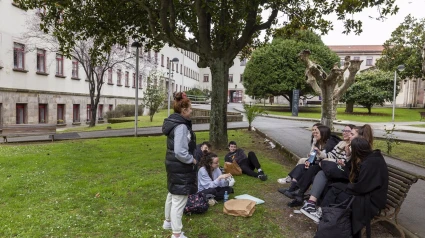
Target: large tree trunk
{"type": "Point", "coordinates": [349, 107]}
{"type": "Point", "coordinates": [327, 104]}
{"type": "Point", "coordinates": [334, 108]}
{"type": "Point", "coordinates": [218, 115]}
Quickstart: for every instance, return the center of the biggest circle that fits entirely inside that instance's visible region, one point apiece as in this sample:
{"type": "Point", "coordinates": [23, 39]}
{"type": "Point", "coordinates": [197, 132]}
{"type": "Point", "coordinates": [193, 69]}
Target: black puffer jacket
{"type": "Point", "coordinates": [181, 177]}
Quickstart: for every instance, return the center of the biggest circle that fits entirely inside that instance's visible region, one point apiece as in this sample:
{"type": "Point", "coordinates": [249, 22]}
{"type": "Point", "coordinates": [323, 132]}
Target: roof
{"type": "Point", "coordinates": [357, 48]}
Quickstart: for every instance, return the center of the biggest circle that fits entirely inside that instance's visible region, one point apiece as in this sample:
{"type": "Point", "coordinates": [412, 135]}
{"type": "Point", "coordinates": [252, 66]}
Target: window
{"type": "Point", "coordinates": [369, 61]}
{"type": "Point", "coordinates": [100, 112]}
{"type": "Point", "coordinates": [88, 112]}
{"type": "Point", "coordinates": [231, 78]}
{"type": "Point", "coordinates": [172, 67]}
{"type": "Point", "coordinates": [119, 77]}
{"type": "Point", "coordinates": [341, 62]}
{"type": "Point", "coordinates": [111, 107]}
{"type": "Point", "coordinates": [243, 62]}
{"type": "Point", "coordinates": [162, 60]}
{"type": "Point", "coordinates": [356, 57]}
{"type": "Point", "coordinates": [177, 67]}
{"type": "Point", "coordinates": [206, 78]}
{"type": "Point", "coordinates": [61, 113]}
{"type": "Point", "coordinates": [42, 113]}
{"type": "Point", "coordinates": [134, 80]}
{"type": "Point", "coordinates": [59, 64]}
{"type": "Point", "coordinates": [156, 57]}
{"type": "Point", "coordinates": [127, 83]}
{"type": "Point", "coordinates": [181, 69]}
{"type": "Point", "coordinates": [76, 113]}
{"type": "Point", "coordinates": [19, 56]}
{"type": "Point", "coordinates": [149, 56]}
{"type": "Point", "coordinates": [110, 76]}
{"type": "Point", "coordinates": [241, 79]}
{"type": "Point", "coordinates": [41, 61]}
{"type": "Point", "coordinates": [140, 81]}
{"type": "Point", "coordinates": [168, 63]}
{"type": "Point", "coordinates": [74, 68]}
{"type": "Point", "coordinates": [21, 113]}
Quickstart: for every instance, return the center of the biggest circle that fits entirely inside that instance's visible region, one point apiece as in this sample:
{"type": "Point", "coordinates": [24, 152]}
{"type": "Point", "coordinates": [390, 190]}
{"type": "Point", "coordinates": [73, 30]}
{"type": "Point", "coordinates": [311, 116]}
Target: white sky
{"type": "Point", "coordinates": [374, 32]}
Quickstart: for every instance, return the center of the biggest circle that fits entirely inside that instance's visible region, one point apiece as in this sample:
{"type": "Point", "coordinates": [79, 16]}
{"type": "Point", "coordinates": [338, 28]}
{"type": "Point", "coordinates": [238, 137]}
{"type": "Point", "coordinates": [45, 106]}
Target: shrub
{"type": "Point", "coordinates": [124, 110]}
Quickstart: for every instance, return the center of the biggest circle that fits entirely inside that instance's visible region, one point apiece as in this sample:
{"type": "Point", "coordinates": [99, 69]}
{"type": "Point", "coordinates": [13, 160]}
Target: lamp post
{"type": "Point", "coordinates": [136, 107]}
{"type": "Point", "coordinates": [174, 60]}
{"type": "Point", "coordinates": [399, 68]}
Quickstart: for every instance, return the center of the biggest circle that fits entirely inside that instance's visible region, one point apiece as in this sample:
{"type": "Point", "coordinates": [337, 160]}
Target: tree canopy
{"type": "Point", "coordinates": [276, 69]}
{"type": "Point", "coordinates": [215, 30]}
{"type": "Point", "coordinates": [405, 47]}
{"type": "Point", "coordinates": [371, 87]}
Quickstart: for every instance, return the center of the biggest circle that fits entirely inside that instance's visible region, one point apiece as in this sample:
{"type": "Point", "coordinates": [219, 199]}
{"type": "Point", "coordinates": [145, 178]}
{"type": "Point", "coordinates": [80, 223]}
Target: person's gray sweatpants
{"type": "Point", "coordinates": [319, 184]}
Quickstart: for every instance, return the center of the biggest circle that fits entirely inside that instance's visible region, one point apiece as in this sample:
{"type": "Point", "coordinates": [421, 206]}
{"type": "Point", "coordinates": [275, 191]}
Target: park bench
{"type": "Point", "coordinates": [399, 185]}
{"type": "Point", "coordinates": [422, 115]}
{"type": "Point", "coordinates": [28, 130]}
{"type": "Point", "coordinates": [313, 103]}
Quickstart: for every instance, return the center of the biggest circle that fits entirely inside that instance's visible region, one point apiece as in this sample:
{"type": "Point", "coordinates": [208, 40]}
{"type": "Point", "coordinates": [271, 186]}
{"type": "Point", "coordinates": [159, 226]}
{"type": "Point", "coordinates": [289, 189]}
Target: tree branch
{"type": "Point", "coordinates": [353, 68]}
{"type": "Point", "coordinates": [313, 71]}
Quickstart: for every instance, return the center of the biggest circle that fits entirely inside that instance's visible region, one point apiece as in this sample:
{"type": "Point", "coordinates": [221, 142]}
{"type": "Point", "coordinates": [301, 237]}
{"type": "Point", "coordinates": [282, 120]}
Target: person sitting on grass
{"type": "Point", "coordinates": [199, 151]}
{"type": "Point", "coordinates": [247, 163]}
{"type": "Point", "coordinates": [210, 179]}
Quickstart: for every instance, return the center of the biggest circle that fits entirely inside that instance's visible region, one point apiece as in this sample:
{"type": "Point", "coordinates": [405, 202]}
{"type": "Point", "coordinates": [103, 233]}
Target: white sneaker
{"type": "Point", "coordinates": [166, 225]}
{"type": "Point", "coordinates": [181, 235]}
{"type": "Point", "coordinates": [286, 180]}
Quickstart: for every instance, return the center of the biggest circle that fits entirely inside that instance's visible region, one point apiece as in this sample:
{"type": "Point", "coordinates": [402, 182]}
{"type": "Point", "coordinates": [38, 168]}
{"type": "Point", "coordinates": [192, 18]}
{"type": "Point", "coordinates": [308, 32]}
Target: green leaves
{"type": "Point", "coordinates": [252, 112]}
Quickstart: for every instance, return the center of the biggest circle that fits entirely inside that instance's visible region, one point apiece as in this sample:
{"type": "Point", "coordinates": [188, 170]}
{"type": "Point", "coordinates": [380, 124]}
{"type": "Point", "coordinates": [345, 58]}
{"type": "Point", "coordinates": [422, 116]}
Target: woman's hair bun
{"type": "Point", "coordinates": [179, 96]}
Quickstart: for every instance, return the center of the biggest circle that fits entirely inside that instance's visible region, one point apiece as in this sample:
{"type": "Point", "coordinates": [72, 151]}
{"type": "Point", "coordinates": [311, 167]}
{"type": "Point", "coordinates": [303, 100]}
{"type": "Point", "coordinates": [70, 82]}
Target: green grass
{"type": "Point", "coordinates": [116, 187]}
{"type": "Point", "coordinates": [143, 121]}
{"type": "Point", "coordinates": [406, 151]}
{"type": "Point", "coordinates": [379, 114]}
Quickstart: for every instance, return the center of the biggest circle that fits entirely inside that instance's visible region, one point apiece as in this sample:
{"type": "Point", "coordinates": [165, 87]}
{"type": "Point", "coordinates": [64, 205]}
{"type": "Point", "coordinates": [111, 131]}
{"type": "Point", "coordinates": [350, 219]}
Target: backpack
{"type": "Point", "coordinates": [196, 203]}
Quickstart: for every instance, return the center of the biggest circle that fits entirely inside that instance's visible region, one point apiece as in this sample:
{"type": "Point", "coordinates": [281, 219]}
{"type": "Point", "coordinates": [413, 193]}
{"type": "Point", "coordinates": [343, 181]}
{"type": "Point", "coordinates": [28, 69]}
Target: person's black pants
{"type": "Point", "coordinates": [297, 172]}
{"type": "Point", "coordinates": [218, 192]}
{"type": "Point", "coordinates": [249, 165]}
{"type": "Point", "coordinates": [307, 179]}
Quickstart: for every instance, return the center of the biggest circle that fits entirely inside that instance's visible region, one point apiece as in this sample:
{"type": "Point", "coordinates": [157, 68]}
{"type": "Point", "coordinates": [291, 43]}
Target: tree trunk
{"type": "Point", "coordinates": [369, 109]}
{"type": "Point", "coordinates": [349, 107]}
{"type": "Point", "coordinates": [327, 105]}
{"type": "Point", "coordinates": [218, 115]}
{"type": "Point", "coordinates": [334, 108]}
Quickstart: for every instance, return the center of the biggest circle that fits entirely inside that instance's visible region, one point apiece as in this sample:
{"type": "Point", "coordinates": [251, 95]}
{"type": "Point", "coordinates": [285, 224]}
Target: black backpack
{"type": "Point", "coordinates": [196, 203]}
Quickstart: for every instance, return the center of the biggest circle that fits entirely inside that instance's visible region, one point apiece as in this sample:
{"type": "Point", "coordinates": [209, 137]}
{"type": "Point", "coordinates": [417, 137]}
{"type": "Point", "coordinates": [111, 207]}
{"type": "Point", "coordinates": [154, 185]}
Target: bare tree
{"type": "Point", "coordinates": [330, 86]}
{"type": "Point", "coordinates": [94, 61]}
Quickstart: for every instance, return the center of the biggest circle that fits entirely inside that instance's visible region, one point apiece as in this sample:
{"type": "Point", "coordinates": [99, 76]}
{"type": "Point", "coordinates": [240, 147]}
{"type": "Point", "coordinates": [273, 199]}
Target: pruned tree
{"type": "Point", "coordinates": [331, 86]}
{"type": "Point", "coordinates": [275, 69]}
{"type": "Point", "coordinates": [155, 94]}
{"type": "Point", "coordinates": [371, 87]}
{"type": "Point", "coordinates": [217, 31]}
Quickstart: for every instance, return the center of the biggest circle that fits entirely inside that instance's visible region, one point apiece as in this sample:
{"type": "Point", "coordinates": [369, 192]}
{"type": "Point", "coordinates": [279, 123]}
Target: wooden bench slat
{"type": "Point", "coordinates": [394, 183]}
{"type": "Point", "coordinates": [395, 190]}
{"type": "Point", "coordinates": [402, 181]}
{"type": "Point", "coordinates": [404, 174]}
{"type": "Point", "coordinates": [396, 199]}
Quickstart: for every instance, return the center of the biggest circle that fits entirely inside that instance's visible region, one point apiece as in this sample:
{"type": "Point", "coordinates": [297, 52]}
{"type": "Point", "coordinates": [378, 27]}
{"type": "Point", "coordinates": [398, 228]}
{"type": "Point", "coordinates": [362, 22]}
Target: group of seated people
{"type": "Point", "coordinates": [341, 169]}
{"type": "Point", "coordinates": [211, 179]}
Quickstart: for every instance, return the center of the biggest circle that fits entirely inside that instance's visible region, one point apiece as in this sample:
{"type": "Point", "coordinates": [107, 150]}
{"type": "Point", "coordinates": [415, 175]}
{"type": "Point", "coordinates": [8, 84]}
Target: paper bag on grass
{"type": "Point", "coordinates": [239, 207]}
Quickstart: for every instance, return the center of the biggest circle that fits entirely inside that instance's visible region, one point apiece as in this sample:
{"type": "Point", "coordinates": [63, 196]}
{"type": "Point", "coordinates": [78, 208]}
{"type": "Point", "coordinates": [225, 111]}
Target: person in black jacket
{"type": "Point", "coordinates": [200, 149]}
{"type": "Point", "coordinates": [326, 145]}
{"type": "Point", "coordinates": [247, 163]}
{"type": "Point", "coordinates": [179, 163]}
{"type": "Point", "coordinates": [368, 183]}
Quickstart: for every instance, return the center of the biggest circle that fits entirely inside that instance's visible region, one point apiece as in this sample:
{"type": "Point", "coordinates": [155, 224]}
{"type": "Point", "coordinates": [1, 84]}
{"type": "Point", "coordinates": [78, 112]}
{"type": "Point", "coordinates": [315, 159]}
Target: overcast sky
{"type": "Point", "coordinates": [374, 32]}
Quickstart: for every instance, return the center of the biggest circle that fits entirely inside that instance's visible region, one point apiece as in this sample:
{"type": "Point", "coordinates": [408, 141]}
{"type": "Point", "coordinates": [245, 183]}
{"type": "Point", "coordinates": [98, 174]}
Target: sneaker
{"type": "Point", "coordinates": [286, 180]}
{"type": "Point", "coordinates": [263, 177]}
{"type": "Point", "coordinates": [311, 212]}
{"type": "Point", "coordinates": [295, 203]}
{"type": "Point", "coordinates": [181, 236]}
{"type": "Point", "coordinates": [261, 172]}
{"type": "Point", "coordinates": [166, 225]}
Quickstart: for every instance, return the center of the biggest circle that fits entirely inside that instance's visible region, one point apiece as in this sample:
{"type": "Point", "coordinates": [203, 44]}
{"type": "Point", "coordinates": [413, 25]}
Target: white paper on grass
{"type": "Point", "coordinates": [247, 196]}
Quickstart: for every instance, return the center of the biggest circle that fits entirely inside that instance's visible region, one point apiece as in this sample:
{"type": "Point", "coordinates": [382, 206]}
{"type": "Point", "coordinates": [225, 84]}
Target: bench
{"type": "Point", "coordinates": [399, 185]}
{"type": "Point", "coordinates": [422, 115]}
{"type": "Point", "coordinates": [313, 103]}
{"type": "Point", "coordinates": [28, 130]}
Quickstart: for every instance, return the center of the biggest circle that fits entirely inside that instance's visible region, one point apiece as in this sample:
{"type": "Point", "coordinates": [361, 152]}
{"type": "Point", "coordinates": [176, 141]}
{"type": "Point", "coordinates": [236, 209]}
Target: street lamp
{"type": "Point", "coordinates": [136, 45]}
{"type": "Point", "coordinates": [399, 68]}
{"type": "Point", "coordinates": [174, 60]}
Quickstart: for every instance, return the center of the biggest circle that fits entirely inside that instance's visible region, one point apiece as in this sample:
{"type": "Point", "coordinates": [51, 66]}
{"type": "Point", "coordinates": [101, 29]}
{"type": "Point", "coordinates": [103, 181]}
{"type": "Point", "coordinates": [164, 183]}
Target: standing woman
{"type": "Point", "coordinates": [179, 163]}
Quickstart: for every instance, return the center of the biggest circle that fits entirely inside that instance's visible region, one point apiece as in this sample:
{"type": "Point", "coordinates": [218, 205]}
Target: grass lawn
{"type": "Point", "coordinates": [379, 114]}
{"type": "Point", "coordinates": [116, 187]}
{"type": "Point", "coordinates": [406, 151]}
{"type": "Point", "coordinates": [143, 121]}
